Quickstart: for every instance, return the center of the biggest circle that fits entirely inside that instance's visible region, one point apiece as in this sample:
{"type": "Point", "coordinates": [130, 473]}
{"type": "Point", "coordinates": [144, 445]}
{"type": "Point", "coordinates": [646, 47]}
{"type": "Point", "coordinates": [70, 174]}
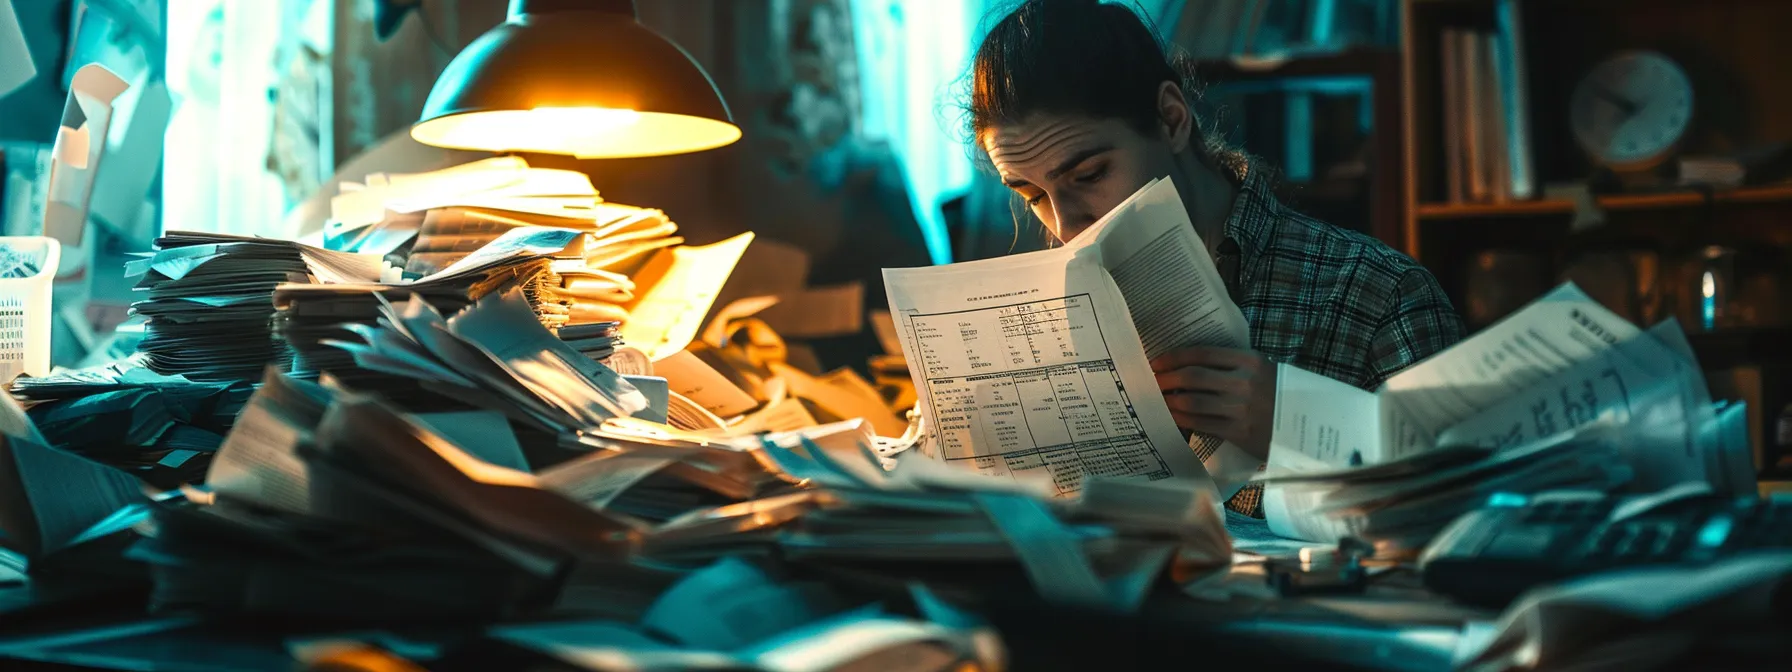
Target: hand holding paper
{"type": "Point", "coordinates": [1225, 392]}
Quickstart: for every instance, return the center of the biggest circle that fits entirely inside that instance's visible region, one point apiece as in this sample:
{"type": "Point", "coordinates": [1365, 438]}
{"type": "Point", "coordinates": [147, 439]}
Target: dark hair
{"type": "Point", "coordinates": [1084, 57]}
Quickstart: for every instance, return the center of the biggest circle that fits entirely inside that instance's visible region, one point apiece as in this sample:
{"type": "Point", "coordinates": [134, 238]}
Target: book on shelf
{"type": "Point", "coordinates": [1486, 124]}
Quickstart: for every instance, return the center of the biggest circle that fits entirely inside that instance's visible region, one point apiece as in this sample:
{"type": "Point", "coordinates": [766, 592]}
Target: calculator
{"type": "Point", "coordinates": [1491, 555]}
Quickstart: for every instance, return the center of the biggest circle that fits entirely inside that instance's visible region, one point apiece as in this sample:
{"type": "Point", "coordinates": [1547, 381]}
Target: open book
{"type": "Point", "coordinates": [1040, 362]}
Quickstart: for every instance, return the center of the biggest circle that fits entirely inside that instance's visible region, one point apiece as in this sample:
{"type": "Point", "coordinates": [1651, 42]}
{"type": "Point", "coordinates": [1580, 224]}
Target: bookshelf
{"type": "Point", "coordinates": [1733, 51]}
{"type": "Point", "coordinates": [1379, 70]}
{"type": "Point", "coordinates": [1778, 193]}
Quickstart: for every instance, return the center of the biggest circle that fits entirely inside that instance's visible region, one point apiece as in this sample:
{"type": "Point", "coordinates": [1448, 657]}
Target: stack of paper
{"type": "Point", "coordinates": [311, 470]}
{"type": "Point", "coordinates": [739, 380]}
{"type": "Point", "coordinates": [210, 299]}
{"type": "Point", "coordinates": [435, 220]}
{"type": "Point", "coordinates": [1401, 505]}
{"type": "Point", "coordinates": [57, 505]}
{"type": "Point", "coordinates": [597, 340]}
{"type": "Point", "coordinates": [375, 468]}
{"type": "Point", "coordinates": [311, 315]}
{"type": "Point", "coordinates": [162, 429]}
{"type": "Point", "coordinates": [311, 473]}
{"type": "Point", "coordinates": [387, 211]}
{"type": "Point", "coordinates": [495, 354]}
{"type": "Point", "coordinates": [1509, 409]}
{"type": "Point", "coordinates": [931, 521]}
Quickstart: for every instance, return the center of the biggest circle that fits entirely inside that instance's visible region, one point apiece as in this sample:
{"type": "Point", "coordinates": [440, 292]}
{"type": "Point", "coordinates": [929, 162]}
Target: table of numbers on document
{"type": "Point", "coordinates": [1022, 388]}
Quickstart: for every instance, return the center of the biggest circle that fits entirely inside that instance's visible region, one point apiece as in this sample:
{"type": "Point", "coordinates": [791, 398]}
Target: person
{"type": "Point", "coordinates": [1076, 105]}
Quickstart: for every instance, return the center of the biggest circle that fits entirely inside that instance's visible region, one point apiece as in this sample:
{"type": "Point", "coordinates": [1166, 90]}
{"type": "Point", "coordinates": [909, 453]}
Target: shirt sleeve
{"type": "Point", "coordinates": [1420, 322]}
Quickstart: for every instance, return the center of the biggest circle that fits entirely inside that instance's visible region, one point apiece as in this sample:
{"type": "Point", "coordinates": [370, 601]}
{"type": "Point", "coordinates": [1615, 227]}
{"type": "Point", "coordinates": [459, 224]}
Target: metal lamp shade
{"type": "Point", "coordinates": [567, 79]}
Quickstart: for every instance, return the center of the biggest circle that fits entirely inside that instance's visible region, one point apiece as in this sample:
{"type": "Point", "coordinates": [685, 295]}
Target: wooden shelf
{"type": "Point", "coordinates": [1679, 199]}
{"type": "Point", "coordinates": [1353, 61]}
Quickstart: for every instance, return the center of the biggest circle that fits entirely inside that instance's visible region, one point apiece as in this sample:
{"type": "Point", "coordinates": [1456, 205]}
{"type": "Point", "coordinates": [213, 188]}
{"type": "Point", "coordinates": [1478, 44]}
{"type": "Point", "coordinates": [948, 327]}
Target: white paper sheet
{"type": "Point", "coordinates": [696, 380]}
{"type": "Point", "coordinates": [676, 291]}
{"type": "Point", "coordinates": [1554, 333]}
{"type": "Point", "coordinates": [1031, 364]}
{"type": "Point", "coordinates": [259, 461]}
{"type": "Point", "coordinates": [490, 183]}
{"type": "Point", "coordinates": [1320, 421]}
{"type": "Point", "coordinates": [1561, 363]}
{"type": "Point", "coordinates": [1175, 294]}
{"type": "Point", "coordinates": [1641, 386]}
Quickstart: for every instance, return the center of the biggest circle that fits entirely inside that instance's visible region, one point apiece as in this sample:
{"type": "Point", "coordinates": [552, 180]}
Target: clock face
{"type": "Point", "coordinates": [1633, 109]}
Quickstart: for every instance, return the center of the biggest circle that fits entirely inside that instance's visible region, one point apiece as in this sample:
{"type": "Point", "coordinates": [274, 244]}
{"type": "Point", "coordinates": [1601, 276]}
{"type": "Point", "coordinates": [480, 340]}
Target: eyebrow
{"type": "Point", "coordinates": [1066, 165]}
{"type": "Point", "coordinates": [1077, 158]}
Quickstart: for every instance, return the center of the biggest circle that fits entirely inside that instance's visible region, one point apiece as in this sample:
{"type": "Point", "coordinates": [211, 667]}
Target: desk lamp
{"type": "Point", "coordinates": [578, 77]}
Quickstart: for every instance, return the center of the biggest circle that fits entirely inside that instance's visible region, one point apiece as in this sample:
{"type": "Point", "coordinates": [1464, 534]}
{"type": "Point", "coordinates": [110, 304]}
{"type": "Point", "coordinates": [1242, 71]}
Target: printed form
{"type": "Point", "coordinates": [1033, 364]}
{"type": "Point", "coordinates": [1559, 364]}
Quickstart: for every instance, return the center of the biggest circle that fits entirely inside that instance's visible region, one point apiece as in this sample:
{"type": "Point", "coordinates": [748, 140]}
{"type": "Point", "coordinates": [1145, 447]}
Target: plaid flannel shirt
{"type": "Point", "coordinates": [1325, 299]}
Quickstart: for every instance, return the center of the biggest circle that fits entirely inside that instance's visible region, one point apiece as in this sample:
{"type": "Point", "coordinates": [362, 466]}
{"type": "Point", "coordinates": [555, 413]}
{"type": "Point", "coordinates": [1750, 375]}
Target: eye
{"type": "Point", "coordinates": [1036, 199]}
{"type": "Point", "coordinates": [1093, 176]}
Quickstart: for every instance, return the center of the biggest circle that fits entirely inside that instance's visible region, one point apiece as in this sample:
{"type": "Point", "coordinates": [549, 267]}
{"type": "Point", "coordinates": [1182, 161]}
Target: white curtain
{"type": "Point", "coordinates": [913, 57]}
{"type": "Point", "coordinates": [911, 52]}
{"type": "Point", "coordinates": [221, 64]}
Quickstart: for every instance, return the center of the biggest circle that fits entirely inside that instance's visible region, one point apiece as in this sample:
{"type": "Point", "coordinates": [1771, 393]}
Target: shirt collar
{"type": "Point", "coordinates": [1252, 222]}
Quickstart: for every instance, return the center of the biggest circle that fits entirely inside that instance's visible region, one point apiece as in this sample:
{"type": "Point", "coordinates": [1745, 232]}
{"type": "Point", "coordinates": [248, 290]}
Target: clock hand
{"type": "Point", "coordinates": [1623, 104]}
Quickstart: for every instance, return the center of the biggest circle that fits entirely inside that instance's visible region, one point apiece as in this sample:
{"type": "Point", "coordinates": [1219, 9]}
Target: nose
{"type": "Point", "coordinates": [1073, 224]}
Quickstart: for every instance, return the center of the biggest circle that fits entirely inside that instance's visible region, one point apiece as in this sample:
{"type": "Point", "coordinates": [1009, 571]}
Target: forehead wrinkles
{"type": "Point", "coordinates": [1012, 149]}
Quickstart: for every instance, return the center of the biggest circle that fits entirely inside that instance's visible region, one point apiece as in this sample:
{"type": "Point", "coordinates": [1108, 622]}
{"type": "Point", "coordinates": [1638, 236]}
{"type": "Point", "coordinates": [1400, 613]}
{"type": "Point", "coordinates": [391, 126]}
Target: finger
{"type": "Point", "coordinates": [1227, 430]}
{"type": "Point", "coordinates": [1186, 421]}
{"type": "Point", "coordinates": [1201, 355]}
{"type": "Point", "coordinates": [1214, 405]}
{"type": "Point", "coordinates": [1198, 379]}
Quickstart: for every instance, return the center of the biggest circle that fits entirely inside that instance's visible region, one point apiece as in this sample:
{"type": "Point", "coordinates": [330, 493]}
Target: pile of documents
{"type": "Point", "coordinates": [312, 317]}
{"type": "Point", "coordinates": [356, 501]}
{"type": "Point", "coordinates": [209, 300]}
{"type": "Point", "coordinates": [926, 521]}
{"type": "Point", "coordinates": [432, 221]}
{"type": "Point", "coordinates": [633, 295]}
{"type": "Point", "coordinates": [1561, 395]}
{"type": "Point", "coordinates": [1402, 504]}
{"type": "Point", "coordinates": [60, 512]}
{"type": "Point", "coordinates": [161, 429]}
{"type": "Point", "coordinates": [495, 354]}
{"type": "Point", "coordinates": [322, 497]}
{"type": "Point", "coordinates": [597, 340]}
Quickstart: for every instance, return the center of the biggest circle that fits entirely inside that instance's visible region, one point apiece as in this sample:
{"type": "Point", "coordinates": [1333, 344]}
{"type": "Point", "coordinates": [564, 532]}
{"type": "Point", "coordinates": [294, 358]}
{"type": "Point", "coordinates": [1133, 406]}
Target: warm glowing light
{"type": "Point", "coordinates": [583, 132]}
{"type": "Point", "coordinates": [1708, 287]}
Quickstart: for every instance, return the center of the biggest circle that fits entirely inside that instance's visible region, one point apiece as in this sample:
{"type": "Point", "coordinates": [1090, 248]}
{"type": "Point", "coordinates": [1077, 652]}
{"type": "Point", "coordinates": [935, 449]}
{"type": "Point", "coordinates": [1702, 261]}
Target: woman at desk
{"type": "Point", "coordinates": [1077, 105]}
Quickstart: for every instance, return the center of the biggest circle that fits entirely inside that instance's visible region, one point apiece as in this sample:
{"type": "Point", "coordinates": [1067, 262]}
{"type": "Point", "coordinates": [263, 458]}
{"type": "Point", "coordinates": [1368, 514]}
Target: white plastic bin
{"type": "Point", "coordinates": [25, 309]}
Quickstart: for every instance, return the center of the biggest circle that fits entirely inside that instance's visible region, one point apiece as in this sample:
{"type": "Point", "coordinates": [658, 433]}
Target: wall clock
{"type": "Point", "coordinates": [1632, 111]}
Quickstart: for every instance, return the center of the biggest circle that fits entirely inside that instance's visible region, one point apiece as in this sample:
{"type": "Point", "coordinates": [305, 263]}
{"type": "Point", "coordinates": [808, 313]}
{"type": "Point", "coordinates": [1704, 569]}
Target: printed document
{"type": "Point", "coordinates": [1322, 421]}
{"type": "Point", "coordinates": [1560, 364]}
{"type": "Point", "coordinates": [1038, 364]}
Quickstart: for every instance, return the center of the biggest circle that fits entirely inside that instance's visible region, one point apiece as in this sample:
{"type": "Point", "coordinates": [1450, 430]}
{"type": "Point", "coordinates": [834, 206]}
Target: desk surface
{"type": "Point", "coordinates": [1392, 626]}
